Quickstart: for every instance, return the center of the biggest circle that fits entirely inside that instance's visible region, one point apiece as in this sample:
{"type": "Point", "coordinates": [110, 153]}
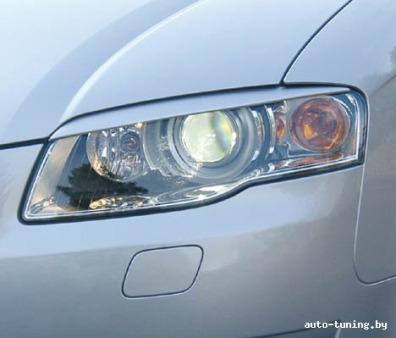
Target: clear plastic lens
{"type": "Point", "coordinates": [117, 153]}
{"type": "Point", "coordinates": [208, 137]}
{"type": "Point", "coordinates": [190, 159]}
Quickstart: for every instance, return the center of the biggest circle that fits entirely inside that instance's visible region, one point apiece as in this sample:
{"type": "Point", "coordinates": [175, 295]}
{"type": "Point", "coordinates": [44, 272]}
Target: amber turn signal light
{"type": "Point", "coordinates": [280, 125]}
{"type": "Point", "coordinates": [320, 125]}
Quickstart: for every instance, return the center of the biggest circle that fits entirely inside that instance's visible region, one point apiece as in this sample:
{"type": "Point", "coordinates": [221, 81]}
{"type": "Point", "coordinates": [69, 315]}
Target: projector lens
{"type": "Point", "coordinates": [208, 137]}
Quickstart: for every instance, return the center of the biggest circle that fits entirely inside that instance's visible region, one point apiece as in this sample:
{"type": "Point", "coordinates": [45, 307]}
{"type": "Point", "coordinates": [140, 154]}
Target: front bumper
{"type": "Point", "coordinates": [275, 256]}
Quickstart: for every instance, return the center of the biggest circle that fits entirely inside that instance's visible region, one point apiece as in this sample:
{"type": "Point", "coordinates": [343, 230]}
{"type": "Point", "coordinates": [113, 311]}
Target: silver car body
{"type": "Point", "coordinates": [267, 260]}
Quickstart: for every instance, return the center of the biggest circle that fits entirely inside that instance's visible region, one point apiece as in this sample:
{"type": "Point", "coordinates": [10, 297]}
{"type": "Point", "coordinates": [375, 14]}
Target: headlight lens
{"type": "Point", "coordinates": [208, 137]}
{"type": "Point", "coordinates": [117, 153]}
{"type": "Point", "coordinates": [320, 124]}
{"type": "Point", "coordinates": [188, 160]}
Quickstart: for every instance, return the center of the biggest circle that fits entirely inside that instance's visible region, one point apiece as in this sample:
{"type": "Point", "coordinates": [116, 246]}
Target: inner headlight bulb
{"type": "Point", "coordinates": [117, 153]}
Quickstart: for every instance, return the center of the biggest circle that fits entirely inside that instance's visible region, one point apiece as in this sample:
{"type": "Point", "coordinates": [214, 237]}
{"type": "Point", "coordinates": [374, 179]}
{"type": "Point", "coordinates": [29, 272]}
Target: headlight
{"type": "Point", "coordinates": [193, 159]}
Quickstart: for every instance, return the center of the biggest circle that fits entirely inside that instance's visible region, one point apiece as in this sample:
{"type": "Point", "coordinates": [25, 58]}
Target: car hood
{"type": "Point", "coordinates": [66, 58]}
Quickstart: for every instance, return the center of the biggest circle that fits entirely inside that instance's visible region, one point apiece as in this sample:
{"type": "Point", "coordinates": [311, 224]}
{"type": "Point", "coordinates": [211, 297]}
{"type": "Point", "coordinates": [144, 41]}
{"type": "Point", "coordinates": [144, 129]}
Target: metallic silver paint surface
{"type": "Point", "coordinates": [214, 45]}
{"type": "Point", "coordinates": [52, 47]}
{"type": "Point", "coordinates": [376, 237]}
{"type": "Point", "coordinates": [276, 255]}
{"type": "Point", "coordinates": [67, 59]}
{"type": "Point", "coordinates": [358, 48]}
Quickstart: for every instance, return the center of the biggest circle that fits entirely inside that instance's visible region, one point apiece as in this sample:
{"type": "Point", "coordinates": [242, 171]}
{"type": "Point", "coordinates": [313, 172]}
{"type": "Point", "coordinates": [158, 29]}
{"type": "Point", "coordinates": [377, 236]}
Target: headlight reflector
{"type": "Point", "coordinates": [116, 153]}
{"type": "Point", "coordinates": [191, 159]}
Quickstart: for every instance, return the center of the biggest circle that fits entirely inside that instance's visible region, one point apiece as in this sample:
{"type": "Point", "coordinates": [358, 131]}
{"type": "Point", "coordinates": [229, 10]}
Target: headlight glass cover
{"type": "Point", "coordinates": [193, 159]}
